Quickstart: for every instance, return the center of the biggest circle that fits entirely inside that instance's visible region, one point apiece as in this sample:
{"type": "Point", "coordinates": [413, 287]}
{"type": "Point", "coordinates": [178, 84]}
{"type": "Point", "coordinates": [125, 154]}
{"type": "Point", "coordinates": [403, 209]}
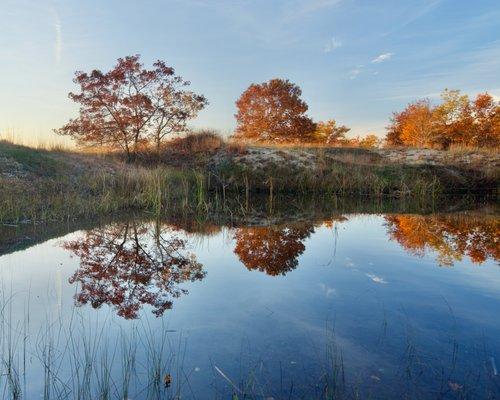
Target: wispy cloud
{"type": "Point", "coordinates": [301, 8]}
{"type": "Point", "coordinates": [353, 74]}
{"type": "Point", "coordinates": [58, 40]}
{"type": "Point", "coordinates": [376, 279]}
{"type": "Point", "coordinates": [332, 45]}
{"type": "Point", "coordinates": [382, 57]}
{"type": "Point", "coordinates": [329, 291]}
{"type": "Point", "coordinates": [417, 14]}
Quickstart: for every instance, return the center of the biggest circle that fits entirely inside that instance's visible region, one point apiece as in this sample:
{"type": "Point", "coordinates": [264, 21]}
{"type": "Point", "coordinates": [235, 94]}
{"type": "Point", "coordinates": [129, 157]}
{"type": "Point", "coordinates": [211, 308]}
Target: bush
{"type": "Point", "coordinates": [203, 141]}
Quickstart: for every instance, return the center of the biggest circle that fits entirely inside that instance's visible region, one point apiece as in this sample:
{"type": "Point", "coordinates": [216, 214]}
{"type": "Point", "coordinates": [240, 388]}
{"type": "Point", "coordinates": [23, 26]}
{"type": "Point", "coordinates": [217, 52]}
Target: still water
{"type": "Point", "coordinates": [335, 306]}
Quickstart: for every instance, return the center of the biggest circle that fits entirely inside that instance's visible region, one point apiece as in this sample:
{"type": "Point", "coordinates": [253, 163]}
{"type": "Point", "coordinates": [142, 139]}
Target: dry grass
{"type": "Point", "coordinates": [43, 185]}
{"type": "Point", "coordinates": [204, 141]}
{"type": "Point", "coordinates": [453, 149]}
{"type": "Point", "coordinates": [38, 142]}
{"type": "Point", "coordinates": [296, 145]}
{"type": "Point", "coordinates": [462, 149]}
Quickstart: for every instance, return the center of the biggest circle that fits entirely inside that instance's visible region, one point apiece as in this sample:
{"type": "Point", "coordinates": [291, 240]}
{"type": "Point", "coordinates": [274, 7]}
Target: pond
{"type": "Point", "coordinates": [274, 306]}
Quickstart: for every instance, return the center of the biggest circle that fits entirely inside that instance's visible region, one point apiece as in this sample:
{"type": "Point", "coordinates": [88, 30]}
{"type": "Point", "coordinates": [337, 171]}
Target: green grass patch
{"type": "Point", "coordinates": [38, 162]}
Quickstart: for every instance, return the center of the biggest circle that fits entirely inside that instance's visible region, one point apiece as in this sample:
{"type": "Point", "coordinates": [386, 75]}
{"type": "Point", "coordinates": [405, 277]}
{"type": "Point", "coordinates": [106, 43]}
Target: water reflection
{"type": "Point", "coordinates": [452, 236]}
{"type": "Point", "coordinates": [235, 320]}
{"type": "Point", "coordinates": [127, 265]}
{"type": "Point", "coordinates": [271, 249]}
{"type": "Point", "coordinates": [131, 264]}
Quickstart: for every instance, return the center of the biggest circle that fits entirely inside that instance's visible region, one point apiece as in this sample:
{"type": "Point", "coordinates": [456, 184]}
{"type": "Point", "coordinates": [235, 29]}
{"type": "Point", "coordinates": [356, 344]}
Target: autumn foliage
{"type": "Point", "coordinates": [273, 111]}
{"type": "Point", "coordinates": [271, 249]}
{"type": "Point", "coordinates": [130, 105]}
{"type": "Point", "coordinates": [455, 121]}
{"type": "Point", "coordinates": [329, 132]}
{"type": "Point", "coordinates": [450, 236]}
{"type": "Point", "coordinates": [129, 265]}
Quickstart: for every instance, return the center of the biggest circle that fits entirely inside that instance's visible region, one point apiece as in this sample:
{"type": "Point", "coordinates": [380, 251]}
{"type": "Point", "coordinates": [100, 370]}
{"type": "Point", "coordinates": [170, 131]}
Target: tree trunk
{"type": "Point", "coordinates": [127, 152]}
{"type": "Point", "coordinates": [158, 142]}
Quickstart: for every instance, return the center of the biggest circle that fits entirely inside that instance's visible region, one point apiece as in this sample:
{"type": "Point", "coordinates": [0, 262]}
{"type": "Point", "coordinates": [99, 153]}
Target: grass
{"type": "Point", "coordinates": [35, 161]}
{"type": "Point", "coordinates": [41, 185]}
{"type": "Point", "coordinates": [76, 357]}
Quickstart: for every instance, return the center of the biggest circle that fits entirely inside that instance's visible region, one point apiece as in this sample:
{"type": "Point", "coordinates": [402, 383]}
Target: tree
{"type": "Point", "coordinates": [394, 130]}
{"type": "Point", "coordinates": [329, 132]}
{"type": "Point", "coordinates": [131, 105]}
{"type": "Point", "coordinates": [486, 113]}
{"type": "Point", "coordinates": [128, 265]}
{"type": "Point", "coordinates": [417, 129]}
{"type": "Point", "coordinates": [369, 141]}
{"type": "Point", "coordinates": [273, 111]}
{"type": "Point", "coordinates": [271, 249]}
{"type": "Point", "coordinates": [413, 126]}
{"type": "Point", "coordinates": [453, 122]}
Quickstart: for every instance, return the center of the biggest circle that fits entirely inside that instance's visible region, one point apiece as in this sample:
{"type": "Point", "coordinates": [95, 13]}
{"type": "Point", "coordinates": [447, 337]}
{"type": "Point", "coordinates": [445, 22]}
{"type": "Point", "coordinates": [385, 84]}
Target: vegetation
{"type": "Point", "coordinates": [330, 133]}
{"type": "Point", "coordinates": [130, 106]}
{"type": "Point", "coordinates": [456, 121]}
{"type": "Point", "coordinates": [132, 110]}
{"type": "Point", "coordinates": [64, 185]}
{"type": "Point", "coordinates": [135, 262]}
{"type": "Point", "coordinates": [273, 111]}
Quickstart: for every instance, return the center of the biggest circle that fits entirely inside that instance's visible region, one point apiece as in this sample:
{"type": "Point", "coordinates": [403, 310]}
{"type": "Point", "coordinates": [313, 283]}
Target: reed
{"type": "Point", "coordinates": [78, 357]}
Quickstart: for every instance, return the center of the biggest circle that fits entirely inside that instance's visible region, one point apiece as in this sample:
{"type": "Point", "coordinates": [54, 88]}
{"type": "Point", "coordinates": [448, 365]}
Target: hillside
{"type": "Point", "coordinates": [40, 184]}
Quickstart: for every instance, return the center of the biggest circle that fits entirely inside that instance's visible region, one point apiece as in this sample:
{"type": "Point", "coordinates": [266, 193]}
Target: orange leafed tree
{"type": "Point", "coordinates": [450, 236]}
{"type": "Point", "coordinates": [330, 133]}
{"type": "Point", "coordinates": [369, 141]}
{"type": "Point", "coordinates": [271, 249]}
{"type": "Point", "coordinates": [413, 126]}
{"type": "Point", "coordinates": [131, 105]}
{"type": "Point", "coordinates": [273, 111]}
{"type": "Point", "coordinates": [486, 113]}
{"type": "Point", "coordinates": [455, 121]}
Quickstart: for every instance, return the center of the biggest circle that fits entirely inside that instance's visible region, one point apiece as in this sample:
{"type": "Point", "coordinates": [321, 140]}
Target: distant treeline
{"type": "Point", "coordinates": [132, 108]}
{"type": "Point", "coordinates": [457, 120]}
{"type": "Point", "coordinates": [273, 111]}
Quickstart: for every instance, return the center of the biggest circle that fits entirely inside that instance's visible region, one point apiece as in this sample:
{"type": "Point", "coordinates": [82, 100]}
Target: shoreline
{"type": "Point", "coordinates": [43, 185]}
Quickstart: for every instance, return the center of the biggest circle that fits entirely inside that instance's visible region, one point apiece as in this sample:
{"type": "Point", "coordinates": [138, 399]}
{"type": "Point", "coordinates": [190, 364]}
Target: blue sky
{"type": "Point", "coordinates": [356, 61]}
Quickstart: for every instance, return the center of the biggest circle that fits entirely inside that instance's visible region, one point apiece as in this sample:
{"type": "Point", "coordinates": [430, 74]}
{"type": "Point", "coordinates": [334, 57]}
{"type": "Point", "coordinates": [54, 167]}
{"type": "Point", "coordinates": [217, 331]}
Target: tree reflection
{"type": "Point", "coordinates": [271, 249]}
{"type": "Point", "coordinates": [451, 236]}
{"type": "Point", "coordinates": [128, 265]}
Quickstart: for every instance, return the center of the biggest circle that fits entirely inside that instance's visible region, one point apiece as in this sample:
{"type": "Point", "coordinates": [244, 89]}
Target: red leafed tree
{"type": "Point", "coordinates": [273, 111]}
{"type": "Point", "coordinates": [128, 265]}
{"type": "Point", "coordinates": [131, 105]}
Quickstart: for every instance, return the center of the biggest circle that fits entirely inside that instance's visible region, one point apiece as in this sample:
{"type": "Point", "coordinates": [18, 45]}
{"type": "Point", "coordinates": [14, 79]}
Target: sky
{"type": "Point", "coordinates": [356, 61]}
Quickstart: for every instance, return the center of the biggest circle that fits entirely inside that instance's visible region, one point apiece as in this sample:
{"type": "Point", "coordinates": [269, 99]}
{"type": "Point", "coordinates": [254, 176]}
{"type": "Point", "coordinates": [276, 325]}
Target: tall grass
{"type": "Point", "coordinates": [40, 186]}
{"type": "Point", "coordinates": [164, 188]}
{"type": "Point", "coordinates": [74, 357]}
